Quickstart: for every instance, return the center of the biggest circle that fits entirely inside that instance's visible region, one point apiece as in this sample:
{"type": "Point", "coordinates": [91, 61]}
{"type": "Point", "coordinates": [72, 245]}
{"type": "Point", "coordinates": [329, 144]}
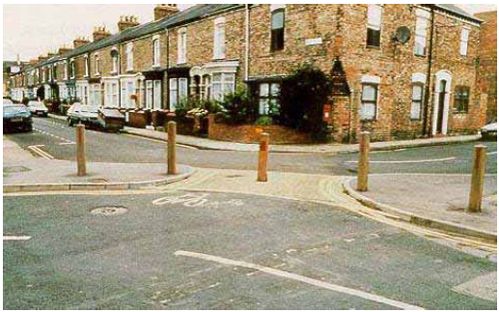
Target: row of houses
{"type": "Point", "coordinates": [399, 70]}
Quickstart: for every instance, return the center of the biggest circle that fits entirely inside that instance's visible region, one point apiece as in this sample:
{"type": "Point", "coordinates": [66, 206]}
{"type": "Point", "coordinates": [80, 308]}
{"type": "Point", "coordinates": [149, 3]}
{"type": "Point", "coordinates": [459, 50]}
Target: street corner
{"type": "Point", "coordinates": [184, 249]}
{"type": "Point", "coordinates": [433, 200]}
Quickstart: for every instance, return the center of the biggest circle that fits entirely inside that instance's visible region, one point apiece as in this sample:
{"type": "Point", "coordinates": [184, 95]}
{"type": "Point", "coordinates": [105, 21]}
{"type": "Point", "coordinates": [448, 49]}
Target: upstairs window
{"type": "Point", "coordinates": [65, 70]}
{"type": "Point", "coordinates": [369, 101]}
{"type": "Point", "coordinates": [115, 61]}
{"type": "Point", "coordinates": [87, 66]}
{"type": "Point", "coordinates": [374, 13]}
{"type": "Point", "coordinates": [97, 64]}
{"type": "Point", "coordinates": [54, 71]}
{"type": "Point", "coordinates": [422, 17]}
{"type": "Point", "coordinates": [129, 56]}
{"type": "Point", "coordinates": [72, 69]}
{"type": "Point", "coordinates": [182, 46]}
{"type": "Point", "coordinates": [461, 99]}
{"type": "Point", "coordinates": [463, 47]}
{"type": "Point", "coordinates": [277, 28]}
{"type": "Point", "coordinates": [155, 52]}
{"type": "Point", "coordinates": [219, 39]}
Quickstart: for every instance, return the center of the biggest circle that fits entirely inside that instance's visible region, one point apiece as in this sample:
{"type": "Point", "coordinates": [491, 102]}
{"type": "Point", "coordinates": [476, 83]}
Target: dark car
{"type": "Point", "coordinates": [489, 131]}
{"type": "Point", "coordinates": [85, 114]}
{"type": "Point", "coordinates": [111, 119]}
{"type": "Point", "coordinates": [17, 117]}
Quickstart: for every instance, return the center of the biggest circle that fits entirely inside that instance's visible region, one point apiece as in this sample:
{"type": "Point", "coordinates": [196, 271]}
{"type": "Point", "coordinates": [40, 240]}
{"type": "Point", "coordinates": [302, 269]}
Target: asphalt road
{"type": "Point", "coordinates": [179, 253]}
{"type": "Point", "coordinates": [56, 138]}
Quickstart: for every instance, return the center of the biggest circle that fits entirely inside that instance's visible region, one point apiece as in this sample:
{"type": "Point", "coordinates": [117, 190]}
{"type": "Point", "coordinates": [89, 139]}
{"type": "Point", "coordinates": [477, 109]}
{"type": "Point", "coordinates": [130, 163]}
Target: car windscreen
{"type": "Point", "coordinates": [89, 109]}
{"type": "Point", "coordinates": [14, 110]}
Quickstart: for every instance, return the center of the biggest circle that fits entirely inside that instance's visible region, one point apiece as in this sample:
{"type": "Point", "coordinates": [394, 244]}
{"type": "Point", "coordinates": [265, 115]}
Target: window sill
{"type": "Point", "coordinates": [420, 55]}
{"type": "Point", "coordinates": [415, 119]}
{"type": "Point", "coordinates": [156, 66]}
{"type": "Point", "coordinates": [372, 47]}
{"type": "Point", "coordinates": [460, 113]}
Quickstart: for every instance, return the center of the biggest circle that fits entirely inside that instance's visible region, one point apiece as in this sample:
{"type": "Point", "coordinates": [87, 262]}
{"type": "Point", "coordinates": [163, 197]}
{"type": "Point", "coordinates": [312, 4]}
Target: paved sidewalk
{"type": "Point", "coordinates": [437, 198]}
{"type": "Point", "coordinates": [22, 168]}
{"type": "Point", "coordinates": [332, 148]}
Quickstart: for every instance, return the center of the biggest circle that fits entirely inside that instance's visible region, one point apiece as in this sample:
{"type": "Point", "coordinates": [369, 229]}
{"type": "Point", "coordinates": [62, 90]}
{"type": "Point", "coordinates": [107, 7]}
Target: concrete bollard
{"type": "Point", "coordinates": [80, 150]}
{"type": "Point", "coordinates": [477, 177]}
{"type": "Point", "coordinates": [363, 165]}
{"type": "Point", "coordinates": [263, 155]}
{"type": "Point", "coordinates": [171, 152]}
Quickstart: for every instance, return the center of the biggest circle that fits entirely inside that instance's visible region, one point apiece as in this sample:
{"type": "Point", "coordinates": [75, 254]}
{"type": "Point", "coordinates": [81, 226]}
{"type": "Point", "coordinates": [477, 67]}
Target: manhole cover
{"type": "Point", "coordinates": [109, 210]}
{"type": "Point", "coordinates": [12, 169]}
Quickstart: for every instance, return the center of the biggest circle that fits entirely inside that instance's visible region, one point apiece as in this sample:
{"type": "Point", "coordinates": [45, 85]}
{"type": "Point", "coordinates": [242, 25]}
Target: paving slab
{"type": "Point", "coordinates": [434, 197]}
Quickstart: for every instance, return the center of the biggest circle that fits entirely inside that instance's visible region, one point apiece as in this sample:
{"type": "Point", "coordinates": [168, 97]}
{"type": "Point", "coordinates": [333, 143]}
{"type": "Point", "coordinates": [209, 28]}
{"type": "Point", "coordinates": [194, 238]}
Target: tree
{"type": "Point", "coordinates": [303, 95]}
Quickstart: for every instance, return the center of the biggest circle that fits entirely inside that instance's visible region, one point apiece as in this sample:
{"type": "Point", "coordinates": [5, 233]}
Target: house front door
{"type": "Point", "coordinates": [441, 105]}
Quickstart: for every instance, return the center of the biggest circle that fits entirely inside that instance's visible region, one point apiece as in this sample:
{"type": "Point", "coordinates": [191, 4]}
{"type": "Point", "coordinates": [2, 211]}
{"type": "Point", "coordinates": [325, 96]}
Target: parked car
{"type": "Point", "coordinates": [38, 108]}
{"type": "Point", "coordinates": [7, 101]}
{"type": "Point", "coordinates": [17, 117]}
{"type": "Point", "coordinates": [489, 131]}
{"type": "Point", "coordinates": [111, 119]}
{"type": "Point", "coordinates": [85, 114]}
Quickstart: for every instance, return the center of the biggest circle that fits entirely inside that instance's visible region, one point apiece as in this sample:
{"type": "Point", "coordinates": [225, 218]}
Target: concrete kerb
{"type": "Point", "coordinates": [43, 187]}
{"type": "Point", "coordinates": [418, 219]}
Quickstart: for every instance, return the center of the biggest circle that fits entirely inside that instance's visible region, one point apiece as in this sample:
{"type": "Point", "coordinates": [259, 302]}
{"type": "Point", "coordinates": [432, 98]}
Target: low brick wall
{"type": "Point", "coordinates": [251, 133]}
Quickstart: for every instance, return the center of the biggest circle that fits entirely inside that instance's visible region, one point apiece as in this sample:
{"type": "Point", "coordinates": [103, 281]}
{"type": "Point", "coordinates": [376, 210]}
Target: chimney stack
{"type": "Point", "coordinates": [63, 50]}
{"type": "Point", "coordinates": [33, 61]}
{"type": "Point", "coordinates": [50, 54]}
{"type": "Point", "coordinates": [164, 10]}
{"type": "Point", "coordinates": [78, 42]}
{"type": "Point", "coordinates": [42, 58]}
{"type": "Point", "coordinates": [100, 33]}
{"type": "Point", "coordinates": [127, 22]}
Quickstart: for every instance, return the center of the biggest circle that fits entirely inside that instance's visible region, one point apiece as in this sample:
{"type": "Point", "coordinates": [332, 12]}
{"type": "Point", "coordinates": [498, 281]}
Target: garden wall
{"type": "Point", "coordinates": [251, 133]}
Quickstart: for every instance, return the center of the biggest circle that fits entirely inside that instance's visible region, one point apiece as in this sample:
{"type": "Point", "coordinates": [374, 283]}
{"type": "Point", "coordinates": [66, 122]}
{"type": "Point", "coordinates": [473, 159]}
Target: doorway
{"type": "Point", "coordinates": [440, 114]}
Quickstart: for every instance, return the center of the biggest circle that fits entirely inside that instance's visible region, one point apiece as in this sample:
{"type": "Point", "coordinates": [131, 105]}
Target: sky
{"type": "Point", "coordinates": [31, 30]}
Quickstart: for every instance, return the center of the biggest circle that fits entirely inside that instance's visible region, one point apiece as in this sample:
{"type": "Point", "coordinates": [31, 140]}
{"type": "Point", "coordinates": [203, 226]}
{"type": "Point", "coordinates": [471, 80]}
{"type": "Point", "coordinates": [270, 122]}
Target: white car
{"type": "Point", "coordinates": [38, 108]}
{"type": "Point", "coordinates": [84, 114]}
{"type": "Point", "coordinates": [489, 131]}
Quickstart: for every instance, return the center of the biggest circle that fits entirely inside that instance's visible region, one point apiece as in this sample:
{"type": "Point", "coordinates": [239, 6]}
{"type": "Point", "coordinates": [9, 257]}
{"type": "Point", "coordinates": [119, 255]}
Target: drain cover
{"type": "Point", "coordinates": [109, 210]}
{"type": "Point", "coordinates": [12, 169]}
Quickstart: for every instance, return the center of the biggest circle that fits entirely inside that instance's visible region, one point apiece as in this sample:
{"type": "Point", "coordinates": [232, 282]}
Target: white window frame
{"type": "Point", "coordinates": [219, 87]}
{"type": "Point", "coordinates": [156, 51]}
{"type": "Point", "coordinates": [372, 20]}
{"type": "Point", "coordinates": [129, 56]}
{"type": "Point", "coordinates": [219, 39]}
{"type": "Point", "coordinates": [156, 103]}
{"type": "Point", "coordinates": [421, 31]}
{"type": "Point", "coordinates": [65, 70]}
{"type": "Point", "coordinates": [149, 93]}
{"type": "Point", "coordinates": [463, 42]}
{"type": "Point", "coordinates": [97, 64]}
{"type": "Point", "coordinates": [87, 65]}
{"type": "Point", "coordinates": [371, 81]}
{"type": "Point", "coordinates": [182, 46]}
{"type": "Point", "coordinates": [173, 93]}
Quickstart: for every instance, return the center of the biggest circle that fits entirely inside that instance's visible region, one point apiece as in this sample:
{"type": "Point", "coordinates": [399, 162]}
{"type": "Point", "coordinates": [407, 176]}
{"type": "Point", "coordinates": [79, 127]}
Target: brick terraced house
{"type": "Point", "coordinates": [399, 70]}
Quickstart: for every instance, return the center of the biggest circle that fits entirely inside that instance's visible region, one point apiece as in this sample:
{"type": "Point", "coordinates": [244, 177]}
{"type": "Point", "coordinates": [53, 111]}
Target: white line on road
{"type": "Point", "coordinates": [36, 149]}
{"type": "Point", "coordinates": [300, 278]}
{"type": "Point", "coordinates": [492, 153]}
{"type": "Point", "coordinates": [138, 136]}
{"type": "Point", "coordinates": [16, 238]}
{"type": "Point", "coordinates": [67, 143]}
{"type": "Point", "coordinates": [405, 161]}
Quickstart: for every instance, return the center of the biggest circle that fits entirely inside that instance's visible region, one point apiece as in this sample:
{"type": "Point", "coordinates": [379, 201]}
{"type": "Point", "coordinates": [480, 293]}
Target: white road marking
{"type": "Point", "coordinates": [159, 141]}
{"type": "Point", "coordinates": [492, 153]}
{"type": "Point", "coordinates": [405, 161]}
{"type": "Point", "coordinates": [36, 149]}
{"type": "Point", "coordinates": [67, 143]}
{"type": "Point", "coordinates": [16, 238]}
{"type": "Point", "coordinates": [300, 278]}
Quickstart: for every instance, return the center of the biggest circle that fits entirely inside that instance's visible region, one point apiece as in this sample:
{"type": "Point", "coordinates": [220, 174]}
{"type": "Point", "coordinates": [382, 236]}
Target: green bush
{"type": "Point", "coordinates": [237, 108]}
{"type": "Point", "coordinates": [264, 121]}
{"type": "Point", "coordinates": [303, 95]}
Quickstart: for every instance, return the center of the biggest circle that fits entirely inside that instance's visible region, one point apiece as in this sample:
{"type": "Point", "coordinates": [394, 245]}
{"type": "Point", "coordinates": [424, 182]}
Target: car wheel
{"type": "Point", "coordinates": [28, 128]}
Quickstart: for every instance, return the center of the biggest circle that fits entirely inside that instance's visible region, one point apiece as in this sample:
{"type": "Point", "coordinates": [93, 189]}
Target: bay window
{"type": "Point", "coordinates": [178, 90]}
{"type": "Point", "coordinates": [221, 84]}
{"type": "Point", "coordinates": [149, 95]}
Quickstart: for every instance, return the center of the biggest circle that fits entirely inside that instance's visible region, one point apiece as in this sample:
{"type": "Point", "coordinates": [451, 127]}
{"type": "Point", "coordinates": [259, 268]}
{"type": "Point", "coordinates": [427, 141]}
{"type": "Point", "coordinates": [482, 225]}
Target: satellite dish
{"type": "Point", "coordinates": [402, 34]}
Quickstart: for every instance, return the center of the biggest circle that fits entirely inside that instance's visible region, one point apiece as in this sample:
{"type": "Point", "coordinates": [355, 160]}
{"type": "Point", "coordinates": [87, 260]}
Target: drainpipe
{"type": "Point", "coordinates": [428, 75]}
{"type": "Point", "coordinates": [165, 83]}
{"type": "Point", "coordinates": [247, 43]}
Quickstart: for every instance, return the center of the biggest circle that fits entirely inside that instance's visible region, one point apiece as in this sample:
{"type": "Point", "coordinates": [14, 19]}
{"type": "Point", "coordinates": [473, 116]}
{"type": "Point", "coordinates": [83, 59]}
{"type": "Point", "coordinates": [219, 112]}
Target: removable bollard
{"type": "Point", "coordinates": [477, 177]}
{"type": "Point", "coordinates": [80, 150]}
{"type": "Point", "coordinates": [171, 152]}
{"type": "Point", "coordinates": [263, 155]}
{"type": "Point", "coordinates": [363, 164]}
